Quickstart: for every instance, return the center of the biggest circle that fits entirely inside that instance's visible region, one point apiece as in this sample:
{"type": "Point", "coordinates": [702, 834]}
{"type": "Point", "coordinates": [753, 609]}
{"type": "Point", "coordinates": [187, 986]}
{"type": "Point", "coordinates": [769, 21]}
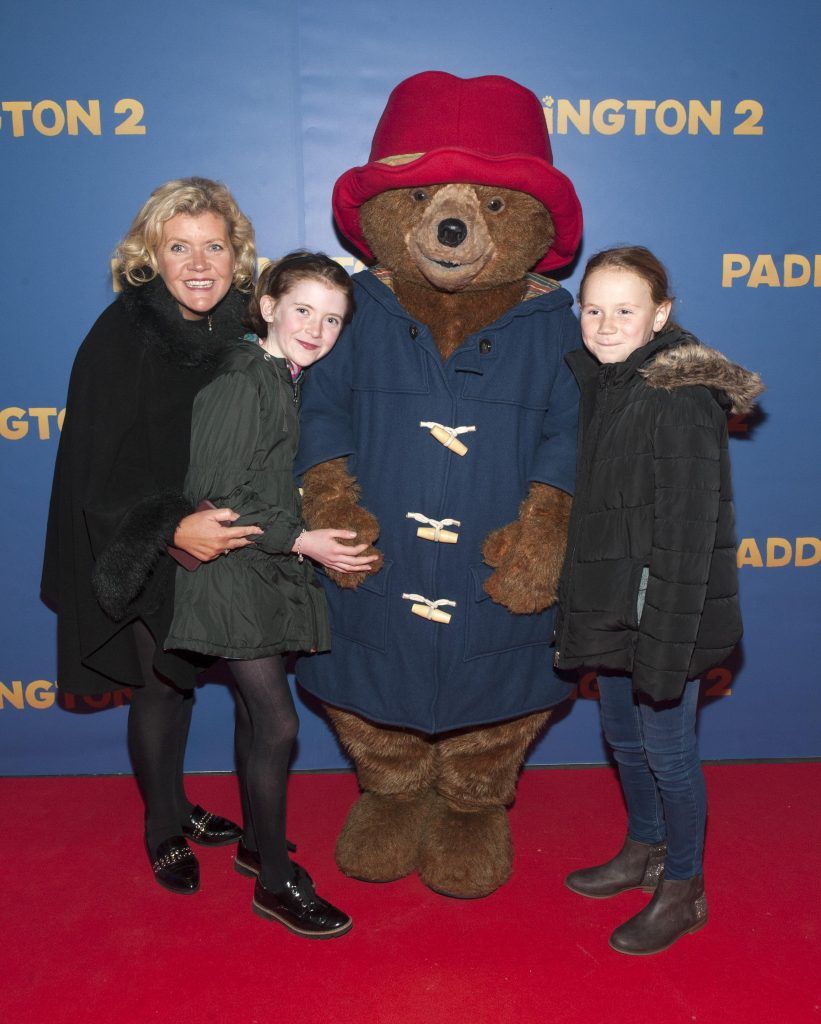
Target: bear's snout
{"type": "Point", "coordinates": [452, 232]}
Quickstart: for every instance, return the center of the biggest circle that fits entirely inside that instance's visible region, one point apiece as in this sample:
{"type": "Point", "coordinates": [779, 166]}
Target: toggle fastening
{"type": "Point", "coordinates": [429, 609]}
{"type": "Point", "coordinates": [448, 435]}
{"type": "Point", "coordinates": [435, 529]}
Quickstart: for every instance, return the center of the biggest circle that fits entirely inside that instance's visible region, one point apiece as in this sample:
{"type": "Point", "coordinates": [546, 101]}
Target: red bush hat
{"type": "Point", "coordinates": [437, 128]}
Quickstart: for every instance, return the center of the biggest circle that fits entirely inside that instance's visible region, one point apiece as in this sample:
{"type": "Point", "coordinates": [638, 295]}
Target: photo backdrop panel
{"type": "Point", "coordinates": [687, 130]}
{"type": "Point", "coordinates": [96, 111]}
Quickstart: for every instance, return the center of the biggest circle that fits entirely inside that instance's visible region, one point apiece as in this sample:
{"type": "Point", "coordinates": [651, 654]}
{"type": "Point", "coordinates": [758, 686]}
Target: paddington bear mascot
{"type": "Point", "coordinates": [442, 429]}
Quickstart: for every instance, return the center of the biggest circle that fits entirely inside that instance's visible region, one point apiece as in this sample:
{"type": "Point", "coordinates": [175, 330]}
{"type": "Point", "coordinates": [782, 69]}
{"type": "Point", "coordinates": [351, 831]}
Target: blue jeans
{"type": "Point", "coordinates": [654, 745]}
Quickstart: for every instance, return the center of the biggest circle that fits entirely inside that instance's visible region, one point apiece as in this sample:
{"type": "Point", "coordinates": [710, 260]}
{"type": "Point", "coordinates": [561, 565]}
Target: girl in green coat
{"type": "Point", "coordinates": [255, 603]}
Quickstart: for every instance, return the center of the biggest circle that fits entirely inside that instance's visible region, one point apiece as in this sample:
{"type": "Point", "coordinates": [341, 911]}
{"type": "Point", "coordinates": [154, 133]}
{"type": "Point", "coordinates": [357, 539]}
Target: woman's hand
{"type": "Point", "coordinates": [203, 535]}
{"type": "Point", "coordinates": [324, 546]}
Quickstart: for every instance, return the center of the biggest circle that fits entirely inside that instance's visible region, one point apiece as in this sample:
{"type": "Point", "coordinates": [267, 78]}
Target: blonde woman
{"type": "Point", "coordinates": [117, 500]}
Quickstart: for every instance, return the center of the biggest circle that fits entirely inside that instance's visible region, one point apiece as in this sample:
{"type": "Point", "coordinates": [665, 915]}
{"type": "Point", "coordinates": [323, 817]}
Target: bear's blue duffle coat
{"type": "Point", "coordinates": [366, 401]}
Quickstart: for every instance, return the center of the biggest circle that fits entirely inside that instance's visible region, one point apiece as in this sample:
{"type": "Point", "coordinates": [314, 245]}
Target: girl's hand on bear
{"type": "Point", "coordinates": [331, 497]}
{"type": "Point", "coordinates": [334, 549]}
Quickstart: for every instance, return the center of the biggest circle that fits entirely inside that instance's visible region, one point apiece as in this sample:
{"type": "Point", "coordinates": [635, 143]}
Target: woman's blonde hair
{"type": "Point", "coordinates": [136, 255]}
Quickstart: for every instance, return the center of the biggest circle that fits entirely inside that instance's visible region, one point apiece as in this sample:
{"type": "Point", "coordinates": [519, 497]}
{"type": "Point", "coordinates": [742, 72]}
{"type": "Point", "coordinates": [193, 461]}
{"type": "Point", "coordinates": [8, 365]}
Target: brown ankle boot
{"type": "Point", "coordinates": [678, 907]}
{"type": "Point", "coordinates": [635, 866]}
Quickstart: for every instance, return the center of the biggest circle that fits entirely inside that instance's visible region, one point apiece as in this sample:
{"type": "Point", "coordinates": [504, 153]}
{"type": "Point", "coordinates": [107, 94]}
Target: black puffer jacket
{"type": "Point", "coordinates": [649, 585]}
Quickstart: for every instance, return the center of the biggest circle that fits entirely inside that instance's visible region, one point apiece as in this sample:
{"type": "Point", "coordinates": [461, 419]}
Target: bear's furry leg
{"type": "Point", "coordinates": [466, 849]}
{"type": "Point", "coordinates": [395, 768]}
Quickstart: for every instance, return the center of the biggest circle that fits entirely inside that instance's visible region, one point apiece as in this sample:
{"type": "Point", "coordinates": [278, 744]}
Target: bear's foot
{"type": "Point", "coordinates": [466, 852]}
{"type": "Point", "coordinates": [380, 839]}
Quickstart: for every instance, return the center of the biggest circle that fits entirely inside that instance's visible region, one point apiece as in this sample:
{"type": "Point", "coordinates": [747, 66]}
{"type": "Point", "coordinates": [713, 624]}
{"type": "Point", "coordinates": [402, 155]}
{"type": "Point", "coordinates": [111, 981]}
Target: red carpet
{"type": "Point", "coordinates": [89, 938]}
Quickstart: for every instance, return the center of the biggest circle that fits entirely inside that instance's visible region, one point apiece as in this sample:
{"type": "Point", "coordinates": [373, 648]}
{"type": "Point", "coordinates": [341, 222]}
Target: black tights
{"type": "Point", "coordinates": [158, 721]}
{"type": "Point", "coordinates": [266, 726]}
{"type": "Point", "coordinates": [264, 741]}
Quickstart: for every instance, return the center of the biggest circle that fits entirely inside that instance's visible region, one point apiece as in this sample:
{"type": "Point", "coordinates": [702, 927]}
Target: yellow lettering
{"type": "Point", "coordinates": [754, 111]}
{"type": "Point", "coordinates": [14, 695]}
{"type": "Point", "coordinates": [801, 546]}
{"type": "Point", "coordinates": [608, 125]}
{"type": "Point", "coordinates": [640, 108]}
{"type": "Point", "coordinates": [764, 272]}
{"type": "Point", "coordinates": [567, 113]}
{"type": "Point", "coordinates": [39, 694]}
{"type": "Point", "coordinates": [76, 114]}
{"type": "Point", "coordinates": [680, 117]}
{"type": "Point", "coordinates": [774, 546]}
{"type": "Point", "coordinates": [16, 108]}
{"type": "Point", "coordinates": [12, 426]}
{"type": "Point", "coordinates": [42, 415]}
{"type": "Point", "coordinates": [132, 124]}
{"type": "Point", "coordinates": [791, 261]}
{"type": "Point", "coordinates": [61, 418]}
{"type": "Point", "coordinates": [698, 115]}
{"type": "Point", "coordinates": [735, 264]}
{"type": "Point", "coordinates": [547, 106]}
{"type": "Point", "coordinates": [817, 277]}
{"type": "Point", "coordinates": [57, 117]}
{"type": "Point", "coordinates": [748, 554]}
{"type": "Point", "coordinates": [350, 263]}
{"type": "Point", "coordinates": [670, 116]}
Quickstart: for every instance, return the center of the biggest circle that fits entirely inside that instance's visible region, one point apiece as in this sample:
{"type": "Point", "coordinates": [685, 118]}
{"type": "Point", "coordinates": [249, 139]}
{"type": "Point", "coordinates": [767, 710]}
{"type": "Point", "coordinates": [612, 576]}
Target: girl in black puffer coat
{"type": "Point", "coordinates": [649, 591]}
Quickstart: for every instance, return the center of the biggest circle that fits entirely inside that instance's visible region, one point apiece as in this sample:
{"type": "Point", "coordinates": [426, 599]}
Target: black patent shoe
{"type": "Point", "coordinates": [209, 829]}
{"type": "Point", "coordinates": [175, 867]}
{"type": "Point", "coordinates": [298, 907]}
{"type": "Point", "coordinates": [246, 862]}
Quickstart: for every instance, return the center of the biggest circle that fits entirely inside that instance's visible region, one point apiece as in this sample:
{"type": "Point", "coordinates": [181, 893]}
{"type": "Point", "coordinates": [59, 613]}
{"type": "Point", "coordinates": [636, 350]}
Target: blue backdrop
{"type": "Point", "coordinates": [687, 128]}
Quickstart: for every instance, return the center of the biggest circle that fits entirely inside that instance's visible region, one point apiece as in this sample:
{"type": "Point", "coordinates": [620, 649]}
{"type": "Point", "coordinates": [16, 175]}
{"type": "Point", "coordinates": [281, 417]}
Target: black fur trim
{"type": "Point", "coordinates": [125, 565]}
{"type": "Point", "coordinates": [187, 343]}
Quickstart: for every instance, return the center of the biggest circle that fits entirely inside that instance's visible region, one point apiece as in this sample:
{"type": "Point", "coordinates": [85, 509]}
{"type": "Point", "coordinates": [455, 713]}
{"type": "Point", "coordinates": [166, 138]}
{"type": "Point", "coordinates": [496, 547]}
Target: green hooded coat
{"type": "Point", "coordinates": [259, 600]}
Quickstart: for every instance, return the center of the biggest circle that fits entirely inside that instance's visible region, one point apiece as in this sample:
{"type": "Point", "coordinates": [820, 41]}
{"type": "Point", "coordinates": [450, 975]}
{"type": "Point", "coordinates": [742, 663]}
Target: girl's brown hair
{"type": "Point", "coordinates": [637, 260]}
{"type": "Point", "coordinates": [280, 276]}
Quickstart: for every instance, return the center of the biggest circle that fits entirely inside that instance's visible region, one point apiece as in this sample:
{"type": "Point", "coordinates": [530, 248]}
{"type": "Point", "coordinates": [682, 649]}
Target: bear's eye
{"type": "Point", "coordinates": [420, 195]}
{"type": "Point", "coordinates": [496, 204]}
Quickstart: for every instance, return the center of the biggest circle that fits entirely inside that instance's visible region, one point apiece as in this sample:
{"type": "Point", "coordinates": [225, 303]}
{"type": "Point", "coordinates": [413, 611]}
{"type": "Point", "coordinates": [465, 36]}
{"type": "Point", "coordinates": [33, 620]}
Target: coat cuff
{"type": "Point", "coordinates": [126, 563]}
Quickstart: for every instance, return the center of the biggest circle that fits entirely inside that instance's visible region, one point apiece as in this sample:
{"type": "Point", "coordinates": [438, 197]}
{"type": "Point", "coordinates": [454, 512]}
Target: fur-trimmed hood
{"type": "Point", "coordinates": [187, 343]}
{"type": "Point", "coordinates": [687, 362]}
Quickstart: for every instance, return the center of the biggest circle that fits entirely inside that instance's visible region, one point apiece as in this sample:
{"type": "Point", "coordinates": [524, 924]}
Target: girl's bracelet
{"type": "Point", "coordinates": [298, 547]}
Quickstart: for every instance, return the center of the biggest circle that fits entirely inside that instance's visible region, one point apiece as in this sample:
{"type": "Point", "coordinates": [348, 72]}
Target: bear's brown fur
{"type": "Point", "coordinates": [436, 804]}
{"type": "Point", "coordinates": [500, 247]}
